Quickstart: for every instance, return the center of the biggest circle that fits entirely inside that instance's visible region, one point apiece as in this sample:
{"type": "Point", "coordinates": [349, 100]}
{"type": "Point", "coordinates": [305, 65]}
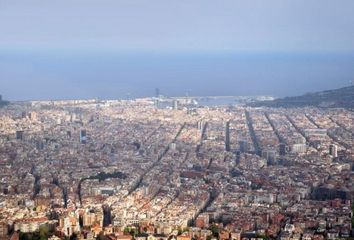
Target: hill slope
{"type": "Point", "coordinates": [3, 103]}
{"type": "Point", "coordinates": [342, 97]}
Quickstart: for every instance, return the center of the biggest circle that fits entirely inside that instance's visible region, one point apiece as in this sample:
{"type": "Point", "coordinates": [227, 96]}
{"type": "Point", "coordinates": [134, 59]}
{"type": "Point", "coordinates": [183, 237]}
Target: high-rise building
{"type": "Point", "coordinates": [19, 135]}
{"type": "Point", "coordinates": [83, 137]}
{"type": "Point", "coordinates": [200, 125]}
{"type": "Point", "coordinates": [282, 149]}
{"type": "Point", "coordinates": [23, 114]}
{"type": "Point", "coordinates": [0, 97]}
{"type": "Point", "coordinates": [157, 92]}
{"type": "Point", "coordinates": [173, 146]}
{"type": "Point", "coordinates": [270, 155]}
{"type": "Point", "coordinates": [243, 146]}
{"type": "Point", "coordinates": [32, 115]}
{"type": "Point", "coordinates": [333, 150]}
{"type": "Point", "coordinates": [175, 104]}
{"type": "Point", "coordinates": [156, 103]}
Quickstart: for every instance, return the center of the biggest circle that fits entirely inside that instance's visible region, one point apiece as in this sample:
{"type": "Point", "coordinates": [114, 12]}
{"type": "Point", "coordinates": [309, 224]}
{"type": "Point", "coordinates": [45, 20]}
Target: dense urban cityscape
{"type": "Point", "coordinates": [176, 120]}
{"type": "Point", "coordinates": [129, 169]}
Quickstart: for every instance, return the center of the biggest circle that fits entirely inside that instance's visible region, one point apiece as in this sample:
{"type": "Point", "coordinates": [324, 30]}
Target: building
{"type": "Point", "coordinates": [298, 148]}
{"type": "Point", "coordinates": [282, 149]}
{"type": "Point", "coordinates": [32, 115]}
{"type": "Point", "coordinates": [175, 104]}
{"type": "Point", "coordinates": [3, 230]}
{"type": "Point", "coordinates": [24, 114]}
{"type": "Point", "coordinates": [19, 135]}
{"type": "Point", "coordinates": [27, 225]}
{"type": "Point", "coordinates": [270, 155]}
{"type": "Point", "coordinates": [200, 125]}
{"type": "Point", "coordinates": [173, 146]}
{"type": "Point", "coordinates": [83, 137]}
{"type": "Point", "coordinates": [65, 225]}
{"type": "Point", "coordinates": [202, 221]}
{"type": "Point", "coordinates": [315, 132]}
{"type": "Point", "coordinates": [243, 146]}
{"type": "Point", "coordinates": [156, 103]}
{"type": "Point", "coordinates": [333, 150]}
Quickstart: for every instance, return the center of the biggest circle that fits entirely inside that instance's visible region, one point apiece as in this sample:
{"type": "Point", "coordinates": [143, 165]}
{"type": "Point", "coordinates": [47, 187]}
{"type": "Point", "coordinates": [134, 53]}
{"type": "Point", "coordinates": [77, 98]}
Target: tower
{"type": "Point", "coordinates": [19, 135]}
{"type": "Point", "coordinates": [282, 149]}
{"type": "Point", "coordinates": [200, 125]}
{"type": "Point", "coordinates": [175, 104]}
{"type": "Point", "coordinates": [333, 150]}
{"type": "Point", "coordinates": [243, 146]}
{"type": "Point", "coordinates": [83, 137]}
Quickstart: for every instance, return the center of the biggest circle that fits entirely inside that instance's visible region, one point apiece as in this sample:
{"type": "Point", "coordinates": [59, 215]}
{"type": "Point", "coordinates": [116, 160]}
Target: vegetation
{"type": "Point", "coordinates": [42, 234]}
{"type": "Point", "coordinates": [343, 97]}
{"type": "Point", "coordinates": [103, 176]}
{"type": "Point", "coordinates": [131, 231]}
{"type": "Point", "coordinates": [215, 230]}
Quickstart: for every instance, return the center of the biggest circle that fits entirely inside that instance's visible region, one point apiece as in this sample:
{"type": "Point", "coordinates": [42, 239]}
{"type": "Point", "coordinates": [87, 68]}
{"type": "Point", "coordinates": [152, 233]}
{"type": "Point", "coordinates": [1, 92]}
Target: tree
{"type": "Point", "coordinates": [43, 232]}
{"type": "Point", "coordinates": [215, 230]}
{"type": "Point", "coordinates": [126, 231]}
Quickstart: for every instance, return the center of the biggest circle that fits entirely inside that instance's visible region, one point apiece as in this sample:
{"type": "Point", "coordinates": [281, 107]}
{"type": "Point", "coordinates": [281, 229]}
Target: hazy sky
{"type": "Point", "coordinates": [48, 43]}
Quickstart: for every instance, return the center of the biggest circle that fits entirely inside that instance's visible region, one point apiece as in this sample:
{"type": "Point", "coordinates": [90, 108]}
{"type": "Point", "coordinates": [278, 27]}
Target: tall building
{"type": "Point", "coordinates": [282, 149]}
{"type": "Point", "coordinates": [24, 114]}
{"type": "Point", "coordinates": [19, 135]}
{"type": "Point", "coordinates": [200, 125]}
{"type": "Point", "coordinates": [32, 115]}
{"type": "Point", "coordinates": [173, 146]}
{"type": "Point", "coordinates": [156, 103]}
{"type": "Point", "coordinates": [157, 92]}
{"type": "Point", "coordinates": [270, 155]}
{"type": "Point", "coordinates": [83, 137]}
{"type": "Point", "coordinates": [175, 104]}
{"type": "Point", "coordinates": [0, 97]}
{"type": "Point", "coordinates": [333, 150]}
{"type": "Point", "coordinates": [243, 146]}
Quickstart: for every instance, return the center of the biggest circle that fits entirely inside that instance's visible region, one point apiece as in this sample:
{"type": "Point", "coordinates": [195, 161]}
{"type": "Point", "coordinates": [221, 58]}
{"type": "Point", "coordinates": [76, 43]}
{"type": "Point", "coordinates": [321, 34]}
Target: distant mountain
{"type": "Point", "coordinates": [342, 97]}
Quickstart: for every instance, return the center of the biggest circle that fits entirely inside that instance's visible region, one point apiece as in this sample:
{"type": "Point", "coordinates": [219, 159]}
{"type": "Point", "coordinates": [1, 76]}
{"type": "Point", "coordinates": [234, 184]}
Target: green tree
{"type": "Point", "coordinates": [215, 230]}
{"type": "Point", "coordinates": [43, 232]}
{"type": "Point", "coordinates": [126, 230]}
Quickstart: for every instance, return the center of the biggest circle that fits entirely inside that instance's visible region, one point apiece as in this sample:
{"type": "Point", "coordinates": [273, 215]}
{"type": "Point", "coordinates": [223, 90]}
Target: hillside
{"type": "Point", "coordinates": [342, 97]}
{"type": "Point", "coordinates": [3, 103]}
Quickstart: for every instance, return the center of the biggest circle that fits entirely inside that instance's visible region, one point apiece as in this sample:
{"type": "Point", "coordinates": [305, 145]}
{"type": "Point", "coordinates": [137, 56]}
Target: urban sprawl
{"type": "Point", "coordinates": [127, 169]}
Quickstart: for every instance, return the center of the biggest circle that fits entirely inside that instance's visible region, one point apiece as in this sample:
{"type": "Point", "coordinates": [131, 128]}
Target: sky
{"type": "Point", "coordinates": [114, 48]}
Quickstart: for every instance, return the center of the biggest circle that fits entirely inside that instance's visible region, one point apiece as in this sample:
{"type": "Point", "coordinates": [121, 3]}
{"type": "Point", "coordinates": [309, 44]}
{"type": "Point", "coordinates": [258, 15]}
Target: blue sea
{"type": "Point", "coordinates": [30, 75]}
